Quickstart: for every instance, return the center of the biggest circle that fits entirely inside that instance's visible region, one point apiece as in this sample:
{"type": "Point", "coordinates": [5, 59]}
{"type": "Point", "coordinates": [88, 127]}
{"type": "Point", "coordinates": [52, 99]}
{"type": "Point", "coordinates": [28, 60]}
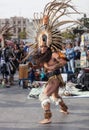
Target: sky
{"type": "Point", "coordinates": [26, 8]}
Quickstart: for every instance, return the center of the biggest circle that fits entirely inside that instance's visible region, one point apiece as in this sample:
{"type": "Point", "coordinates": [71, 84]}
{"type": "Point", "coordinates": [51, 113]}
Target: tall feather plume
{"type": "Point", "coordinates": [4, 32]}
{"type": "Point", "coordinates": [54, 11]}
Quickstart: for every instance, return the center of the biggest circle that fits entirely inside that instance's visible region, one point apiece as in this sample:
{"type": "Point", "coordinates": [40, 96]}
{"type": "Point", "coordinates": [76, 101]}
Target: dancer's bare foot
{"type": "Point", "coordinates": [63, 108]}
{"type": "Point", "coordinates": [65, 112]}
{"type": "Point", "coordinates": [45, 121]}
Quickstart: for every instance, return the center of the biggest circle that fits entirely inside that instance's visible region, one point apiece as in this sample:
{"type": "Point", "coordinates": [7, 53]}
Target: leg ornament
{"type": "Point", "coordinates": [45, 102]}
{"type": "Point", "coordinates": [63, 107]}
{"type": "Point", "coordinates": [47, 117]}
{"type": "Point", "coordinates": [47, 114]}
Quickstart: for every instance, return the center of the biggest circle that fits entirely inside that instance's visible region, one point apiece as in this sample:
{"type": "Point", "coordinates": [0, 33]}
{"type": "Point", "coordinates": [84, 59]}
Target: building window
{"type": "Point", "coordinates": [19, 22]}
{"type": "Point", "coordinates": [24, 22]}
{"type": "Point", "coordinates": [6, 22]}
{"type": "Point", "coordinates": [19, 30]}
{"type": "Point", "coordinates": [24, 29]}
{"type": "Point", "coordinates": [14, 30]}
{"type": "Point", "coordinates": [14, 22]}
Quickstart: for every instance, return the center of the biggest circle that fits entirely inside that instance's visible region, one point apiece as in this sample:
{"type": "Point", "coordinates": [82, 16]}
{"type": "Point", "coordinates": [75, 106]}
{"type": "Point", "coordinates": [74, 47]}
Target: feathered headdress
{"type": "Point", "coordinates": [47, 27]}
{"type": "Point", "coordinates": [4, 31]}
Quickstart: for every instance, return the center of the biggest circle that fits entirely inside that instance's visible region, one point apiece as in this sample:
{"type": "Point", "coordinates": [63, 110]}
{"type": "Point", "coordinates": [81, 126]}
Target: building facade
{"type": "Point", "coordinates": [19, 24]}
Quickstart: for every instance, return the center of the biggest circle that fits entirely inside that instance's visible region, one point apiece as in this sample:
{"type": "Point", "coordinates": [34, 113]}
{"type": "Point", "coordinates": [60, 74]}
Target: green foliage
{"type": "Point", "coordinates": [22, 35]}
{"type": "Point", "coordinates": [68, 35]}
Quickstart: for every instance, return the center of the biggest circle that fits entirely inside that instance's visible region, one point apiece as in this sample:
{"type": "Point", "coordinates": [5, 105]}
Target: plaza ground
{"type": "Point", "coordinates": [17, 112]}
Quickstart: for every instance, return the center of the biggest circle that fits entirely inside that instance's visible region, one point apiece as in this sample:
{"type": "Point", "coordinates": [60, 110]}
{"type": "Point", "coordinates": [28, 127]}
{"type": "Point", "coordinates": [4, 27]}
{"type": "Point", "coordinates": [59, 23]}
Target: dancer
{"type": "Point", "coordinates": [51, 62]}
{"type": "Point", "coordinates": [46, 50]}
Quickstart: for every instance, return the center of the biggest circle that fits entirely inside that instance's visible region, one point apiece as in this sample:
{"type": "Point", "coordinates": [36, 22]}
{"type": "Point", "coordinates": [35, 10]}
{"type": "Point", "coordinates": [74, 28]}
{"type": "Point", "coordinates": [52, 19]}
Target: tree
{"type": "Point", "coordinates": [68, 34]}
{"type": "Point", "coordinates": [22, 35]}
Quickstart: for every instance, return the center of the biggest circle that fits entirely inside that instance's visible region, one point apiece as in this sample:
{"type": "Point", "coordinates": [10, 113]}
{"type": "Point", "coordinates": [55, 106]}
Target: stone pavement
{"type": "Point", "coordinates": [19, 113]}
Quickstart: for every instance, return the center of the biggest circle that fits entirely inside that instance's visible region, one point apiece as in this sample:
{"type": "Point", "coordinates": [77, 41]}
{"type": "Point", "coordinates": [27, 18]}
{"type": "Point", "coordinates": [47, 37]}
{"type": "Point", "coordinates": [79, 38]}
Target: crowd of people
{"type": "Point", "coordinates": [73, 53]}
{"type": "Point", "coordinates": [10, 58]}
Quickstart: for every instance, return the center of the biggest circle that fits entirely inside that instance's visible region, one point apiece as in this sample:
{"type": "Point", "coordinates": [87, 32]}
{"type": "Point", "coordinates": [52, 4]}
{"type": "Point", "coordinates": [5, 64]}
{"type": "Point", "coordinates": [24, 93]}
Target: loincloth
{"type": "Point", "coordinates": [56, 75]}
{"type": "Point", "coordinates": [55, 72]}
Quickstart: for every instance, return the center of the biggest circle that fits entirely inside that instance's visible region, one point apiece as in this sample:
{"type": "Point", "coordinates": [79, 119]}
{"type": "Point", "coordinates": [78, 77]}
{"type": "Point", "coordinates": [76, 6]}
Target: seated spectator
{"type": "Point", "coordinates": [77, 52]}
{"type": "Point", "coordinates": [31, 75]}
{"type": "Point", "coordinates": [43, 76]}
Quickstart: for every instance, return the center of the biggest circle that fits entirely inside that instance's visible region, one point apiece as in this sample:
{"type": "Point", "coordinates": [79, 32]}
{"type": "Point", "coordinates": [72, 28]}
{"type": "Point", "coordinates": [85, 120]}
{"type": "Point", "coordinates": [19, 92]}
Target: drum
{"type": "Point", "coordinates": [23, 71]}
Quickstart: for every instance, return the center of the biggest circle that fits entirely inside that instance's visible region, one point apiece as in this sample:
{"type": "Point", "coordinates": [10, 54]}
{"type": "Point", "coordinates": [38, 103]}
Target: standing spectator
{"type": "Point", "coordinates": [77, 57]}
{"type": "Point", "coordinates": [65, 67]}
{"type": "Point", "coordinates": [8, 68]}
{"type": "Point", "coordinates": [31, 74]}
{"type": "Point", "coordinates": [70, 55]}
{"type": "Point", "coordinates": [77, 52]}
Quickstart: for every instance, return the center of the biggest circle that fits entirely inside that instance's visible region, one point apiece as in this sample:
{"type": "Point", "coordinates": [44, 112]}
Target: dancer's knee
{"type": "Point", "coordinates": [45, 100]}
{"type": "Point", "coordinates": [57, 100]}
